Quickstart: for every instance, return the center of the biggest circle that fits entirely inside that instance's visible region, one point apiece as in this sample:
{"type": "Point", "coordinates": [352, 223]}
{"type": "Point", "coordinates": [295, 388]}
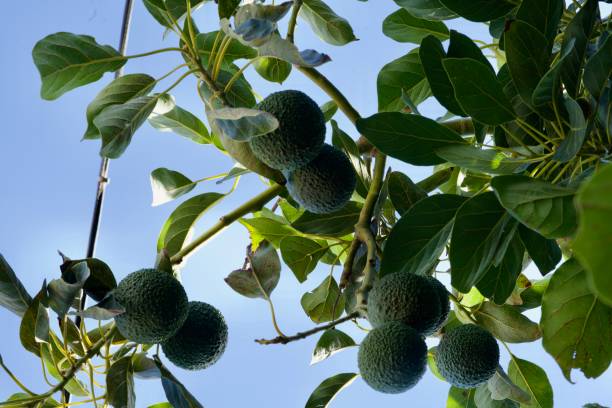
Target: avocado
{"type": "Point", "coordinates": [325, 184]}
{"type": "Point", "coordinates": [405, 297]}
{"type": "Point", "coordinates": [201, 340]}
{"type": "Point", "coordinates": [444, 302]}
{"type": "Point", "coordinates": [155, 306]}
{"type": "Point", "coordinates": [392, 358]}
{"type": "Point", "coordinates": [299, 136]}
{"type": "Point", "coordinates": [467, 356]}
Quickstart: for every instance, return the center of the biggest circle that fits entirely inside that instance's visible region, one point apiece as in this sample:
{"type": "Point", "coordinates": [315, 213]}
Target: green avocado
{"type": "Point", "coordinates": [201, 340]}
{"type": "Point", "coordinates": [299, 136]}
{"type": "Point", "coordinates": [467, 356]}
{"type": "Point", "coordinates": [155, 306]}
{"type": "Point", "coordinates": [407, 298]}
{"type": "Point", "coordinates": [444, 302]}
{"type": "Point", "coordinates": [325, 184]}
{"type": "Point", "coordinates": [392, 358]}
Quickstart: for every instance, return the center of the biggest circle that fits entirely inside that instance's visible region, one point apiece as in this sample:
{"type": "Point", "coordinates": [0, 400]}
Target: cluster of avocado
{"type": "Point", "coordinates": [403, 309]}
{"type": "Point", "coordinates": [319, 177]}
{"type": "Point", "coordinates": [193, 335]}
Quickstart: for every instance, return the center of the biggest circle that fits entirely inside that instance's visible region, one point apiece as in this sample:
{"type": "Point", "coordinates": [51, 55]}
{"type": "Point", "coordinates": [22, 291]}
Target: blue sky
{"type": "Point", "coordinates": [48, 178]}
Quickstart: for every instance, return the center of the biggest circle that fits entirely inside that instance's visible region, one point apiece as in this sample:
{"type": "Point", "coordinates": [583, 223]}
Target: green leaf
{"type": "Point", "coordinates": [323, 395]}
{"type": "Point", "coordinates": [432, 359]}
{"type": "Point", "coordinates": [260, 276]}
{"type": "Point", "coordinates": [100, 281]}
{"type": "Point", "coordinates": [478, 91]}
{"type": "Point", "coordinates": [118, 123]}
{"type": "Point", "coordinates": [177, 227]}
{"type": "Point", "coordinates": [460, 398]}
{"type": "Point", "coordinates": [261, 228]}
{"type": "Point", "coordinates": [501, 387]}
{"type": "Point", "coordinates": [404, 27]}
{"type": "Point", "coordinates": [34, 327]}
{"type": "Point", "coordinates": [169, 184]}
{"type": "Point", "coordinates": [13, 295]}
{"type": "Point", "coordinates": [272, 69]}
{"type": "Point", "coordinates": [48, 403]}
{"type": "Point", "coordinates": [532, 296]}
{"type": "Point", "coordinates": [544, 15]}
{"type": "Point", "coordinates": [576, 325]}
{"type": "Point", "coordinates": [240, 95]}
{"type": "Point", "coordinates": [541, 206]}
{"type": "Point", "coordinates": [479, 10]}
{"type": "Point", "coordinates": [241, 124]}
{"type": "Point", "coordinates": [105, 309]}
{"type": "Point", "coordinates": [66, 61]}
{"type": "Point", "coordinates": [403, 75]}
{"type": "Point", "coordinates": [331, 342]}
{"type": "Point", "coordinates": [120, 384]}
{"type": "Point", "coordinates": [533, 380]}
{"type": "Point", "coordinates": [325, 302]}
{"type": "Point", "coordinates": [227, 8]}
{"type": "Point", "coordinates": [326, 24]}
{"type": "Point", "coordinates": [479, 160]}
{"type": "Point", "coordinates": [205, 43]}
{"type": "Point", "coordinates": [576, 36]}
{"type": "Point", "coordinates": [483, 399]}
{"type": "Point", "coordinates": [181, 122]}
{"type": "Point", "coordinates": [280, 48]}
{"type": "Point", "coordinates": [343, 142]}
{"type": "Point", "coordinates": [574, 139]}
{"type": "Point", "coordinates": [62, 295]}
{"type": "Point", "coordinates": [548, 90]}
{"type": "Point", "coordinates": [168, 11]}
{"type": "Point", "coordinates": [432, 54]}
{"type": "Point", "coordinates": [118, 92]}
{"type": "Point", "coordinates": [337, 223]}
{"type": "Point", "coordinates": [419, 237]}
{"type": "Point", "coordinates": [301, 255]}
{"type": "Point", "coordinates": [462, 46]}
{"type": "Point", "coordinates": [329, 109]}
{"type": "Point", "coordinates": [506, 323]}
{"type": "Point", "coordinates": [427, 9]}
{"type": "Point", "coordinates": [598, 69]}
{"type": "Point", "coordinates": [499, 281]}
{"type": "Point", "coordinates": [545, 253]}
{"type": "Point", "coordinates": [478, 229]}
{"type": "Point", "coordinates": [595, 231]}
{"type": "Point", "coordinates": [176, 393]}
{"type": "Point", "coordinates": [409, 138]}
{"type": "Point", "coordinates": [404, 194]}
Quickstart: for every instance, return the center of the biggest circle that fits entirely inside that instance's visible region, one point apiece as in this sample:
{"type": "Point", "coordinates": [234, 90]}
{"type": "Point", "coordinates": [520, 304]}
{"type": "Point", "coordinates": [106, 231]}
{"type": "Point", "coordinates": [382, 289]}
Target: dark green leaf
{"type": "Point", "coordinates": [499, 281]}
{"type": "Point", "coordinates": [240, 95]}
{"type": "Point", "coordinates": [478, 229]}
{"type": "Point", "coordinates": [227, 8]}
{"type": "Point", "coordinates": [176, 393]}
{"type": "Point", "coordinates": [432, 53]}
{"type": "Point", "coordinates": [242, 124]}
{"type": "Point", "coordinates": [337, 223]}
{"type": "Point", "coordinates": [120, 384]}
{"type": "Point", "coordinates": [404, 27]}
{"type": "Point", "coordinates": [181, 122]}
{"type": "Point", "coordinates": [533, 380]}
{"type": "Point", "coordinates": [235, 49]}
{"type": "Point", "coordinates": [543, 15]}
{"type": "Point", "coordinates": [543, 207]}
{"type": "Point", "coordinates": [598, 69]}
{"type": "Point", "coordinates": [66, 61]}
{"type": "Point", "coordinates": [479, 160]}
{"type": "Point", "coordinates": [168, 11]}
{"type": "Point", "coordinates": [261, 275]}
{"type": "Point", "coordinates": [169, 184]}
{"type": "Point", "coordinates": [462, 46]}
{"type": "Point", "coordinates": [409, 138]}
{"type": "Point", "coordinates": [322, 396]}
{"type": "Point", "coordinates": [419, 237]}
{"type": "Point", "coordinates": [548, 90]}
{"type": "Point", "coordinates": [506, 323]}
{"type": "Point", "coordinates": [403, 192]}
{"type": "Point", "coordinates": [331, 342]}
{"type": "Point", "coordinates": [329, 109]}
{"type": "Point", "coordinates": [478, 91]}
{"type": "Point", "coordinates": [532, 296]}
{"type": "Point", "coordinates": [13, 295]}
{"type": "Point", "coordinates": [118, 123]}
{"type": "Point", "coordinates": [592, 241]}
{"type": "Point", "coordinates": [301, 255]}
{"type": "Point", "coordinates": [343, 142]}
{"type": "Point", "coordinates": [101, 279]}
{"type": "Point", "coordinates": [545, 253]}
{"type": "Point", "coordinates": [402, 76]}
{"type": "Point", "coordinates": [174, 233]}
{"type": "Point", "coordinates": [325, 302]}
{"type": "Point", "coordinates": [326, 24]}
{"type": "Point", "coordinates": [62, 295]}
{"type": "Point", "coordinates": [34, 322]}
{"type": "Point", "coordinates": [272, 69]}
{"type": "Point", "coordinates": [574, 138]}
{"type": "Point", "coordinates": [48, 403]}
{"type": "Point", "coordinates": [119, 91]}
{"type": "Point", "coordinates": [576, 326]}
{"type": "Point", "coordinates": [479, 10]}
{"type": "Point", "coordinates": [460, 398]}
{"type": "Point", "coordinates": [105, 309]}
{"type": "Point", "coordinates": [427, 9]}
{"type": "Point", "coordinates": [144, 367]}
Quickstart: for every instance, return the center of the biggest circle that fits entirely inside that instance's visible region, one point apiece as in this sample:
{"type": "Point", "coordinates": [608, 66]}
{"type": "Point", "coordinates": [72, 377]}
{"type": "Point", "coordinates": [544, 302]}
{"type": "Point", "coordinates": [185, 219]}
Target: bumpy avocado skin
{"type": "Point", "coordinates": [325, 184]}
{"type": "Point", "coordinates": [467, 356]}
{"type": "Point", "coordinates": [407, 298]}
{"type": "Point", "coordinates": [201, 341]}
{"type": "Point", "coordinates": [444, 302]}
{"type": "Point", "coordinates": [299, 136]}
{"type": "Point", "coordinates": [155, 306]}
{"type": "Point", "coordinates": [392, 358]}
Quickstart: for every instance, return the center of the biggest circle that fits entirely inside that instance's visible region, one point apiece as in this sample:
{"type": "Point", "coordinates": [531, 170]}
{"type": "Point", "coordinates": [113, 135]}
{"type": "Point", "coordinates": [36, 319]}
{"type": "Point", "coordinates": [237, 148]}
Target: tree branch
{"type": "Point", "coordinates": [253, 204]}
{"type": "Point", "coordinates": [297, 5]}
{"type": "Point", "coordinates": [303, 335]}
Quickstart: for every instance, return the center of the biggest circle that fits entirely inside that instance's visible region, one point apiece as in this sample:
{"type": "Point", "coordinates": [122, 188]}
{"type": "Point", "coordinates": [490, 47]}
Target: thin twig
{"type": "Point", "coordinates": [303, 335]}
{"type": "Point", "coordinates": [297, 5]}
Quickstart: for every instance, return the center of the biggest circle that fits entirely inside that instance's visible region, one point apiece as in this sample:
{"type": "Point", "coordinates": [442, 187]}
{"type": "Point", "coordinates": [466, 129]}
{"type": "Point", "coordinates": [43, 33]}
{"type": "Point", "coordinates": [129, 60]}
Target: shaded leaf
{"type": "Point", "coordinates": [404, 27]}
{"type": "Point", "coordinates": [502, 387]}
{"type": "Point", "coordinates": [544, 252]}
{"type": "Point", "coordinates": [331, 342]}
{"type": "Point", "coordinates": [301, 255]}
{"type": "Point", "coordinates": [404, 194]}
{"type": "Point", "coordinates": [241, 124]}
{"type": "Point", "coordinates": [403, 76]}
{"type": "Point", "coordinates": [499, 281]}
{"type": "Point", "coordinates": [62, 295]}
{"type": "Point", "coordinates": [506, 323]}
{"type": "Point", "coordinates": [544, 15]}
{"type": "Point", "coordinates": [227, 8]}
{"type": "Point", "coordinates": [176, 393]}
{"type": "Point", "coordinates": [100, 281]}
{"type": "Point", "coordinates": [484, 399]}
{"type": "Point", "coordinates": [181, 122]}
{"type": "Point", "coordinates": [105, 309]}
{"type": "Point", "coordinates": [34, 322]}
{"type": "Point", "coordinates": [343, 142]}
{"type": "Point", "coordinates": [337, 223]}
{"type": "Point", "coordinates": [485, 161]}
{"type": "Point", "coordinates": [144, 367]}
{"type": "Point", "coordinates": [325, 302]}
{"type": "Point", "coordinates": [427, 9]}
{"type": "Point", "coordinates": [598, 69]}
{"type": "Point", "coordinates": [329, 109]}
{"type": "Point", "coordinates": [479, 10]}
{"type": "Point", "coordinates": [323, 395]}
{"type": "Point", "coordinates": [460, 398]}
{"type": "Point", "coordinates": [261, 275]}
{"type": "Point", "coordinates": [120, 384]}
{"type": "Point", "coordinates": [168, 11]}
{"type": "Point", "coordinates": [13, 295]}
{"type": "Point", "coordinates": [326, 24]}
{"type": "Point", "coordinates": [574, 139]}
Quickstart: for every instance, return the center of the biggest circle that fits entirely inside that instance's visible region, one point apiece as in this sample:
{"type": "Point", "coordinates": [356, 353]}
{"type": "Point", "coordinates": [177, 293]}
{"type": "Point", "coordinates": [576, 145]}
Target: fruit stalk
{"type": "Point", "coordinates": [297, 5]}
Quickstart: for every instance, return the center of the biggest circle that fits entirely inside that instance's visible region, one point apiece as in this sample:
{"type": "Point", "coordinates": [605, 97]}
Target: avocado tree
{"type": "Point", "coordinates": [520, 177]}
